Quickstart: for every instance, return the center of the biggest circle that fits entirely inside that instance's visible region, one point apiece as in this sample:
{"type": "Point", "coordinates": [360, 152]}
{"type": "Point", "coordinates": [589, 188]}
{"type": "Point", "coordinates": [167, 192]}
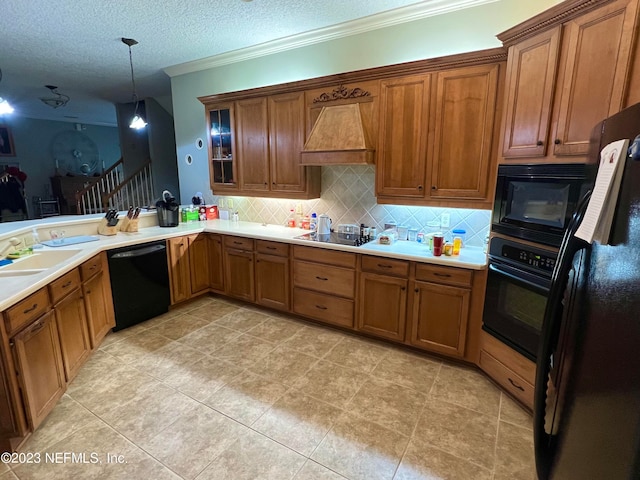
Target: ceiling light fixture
{"type": "Point", "coordinates": [5, 107]}
{"type": "Point", "coordinates": [137, 122]}
{"type": "Point", "coordinates": [60, 99]}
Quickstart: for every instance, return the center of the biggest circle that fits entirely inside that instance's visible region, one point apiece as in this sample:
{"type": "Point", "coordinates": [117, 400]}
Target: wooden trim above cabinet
{"type": "Point", "coordinates": [550, 18]}
{"type": "Point", "coordinates": [388, 71]}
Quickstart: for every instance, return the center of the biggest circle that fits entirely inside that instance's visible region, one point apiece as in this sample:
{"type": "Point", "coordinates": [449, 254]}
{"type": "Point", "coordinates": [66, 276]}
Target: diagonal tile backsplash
{"type": "Point", "coordinates": [348, 197]}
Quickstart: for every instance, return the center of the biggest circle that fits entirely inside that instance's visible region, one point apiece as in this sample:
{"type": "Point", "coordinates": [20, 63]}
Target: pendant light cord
{"type": "Point", "coordinates": [133, 80]}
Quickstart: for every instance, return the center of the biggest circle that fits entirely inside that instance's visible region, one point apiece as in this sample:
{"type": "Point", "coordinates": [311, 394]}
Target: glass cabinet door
{"type": "Point", "coordinates": [223, 168]}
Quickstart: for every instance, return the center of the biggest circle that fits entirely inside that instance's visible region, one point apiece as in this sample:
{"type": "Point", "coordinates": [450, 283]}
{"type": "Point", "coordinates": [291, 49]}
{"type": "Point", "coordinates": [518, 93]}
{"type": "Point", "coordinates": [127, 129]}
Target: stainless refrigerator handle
{"type": "Point", "coordinates": [543, 442]}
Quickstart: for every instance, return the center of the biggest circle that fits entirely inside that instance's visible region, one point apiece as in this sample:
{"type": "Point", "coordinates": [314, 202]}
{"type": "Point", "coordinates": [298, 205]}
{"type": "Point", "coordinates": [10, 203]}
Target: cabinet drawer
{"type": "Point", "coordinates": [25, 311]}
{"type": "Point", "coordinates": [322, 255]}
{"type": "Point", "coordinates": [326, 308]}
{"type": "Point", "coordinates": [513, 383]}
{"type": "Point", "coordinates": [507, 356]}
{"type": "Point", "coordinates": [240, 243]}
{"type": "Point", "coordinates": [63, 286]}
{"type": "Point", "coordinates": [385, 266]}
{"type": "Point", "coordinates": [89, 268]}
{"type": "Point", "coordinates": [272, 248]}
{"type": "Point", "coordinates": [448, 275]}
{"type": "Point", "coordinates": [324, 278]}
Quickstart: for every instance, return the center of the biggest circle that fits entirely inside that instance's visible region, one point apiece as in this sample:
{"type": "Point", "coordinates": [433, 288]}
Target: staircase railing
{"type": "Point", "coordinates": [136, 190]}
{"type": "Point", "coordinates": [89, 200]}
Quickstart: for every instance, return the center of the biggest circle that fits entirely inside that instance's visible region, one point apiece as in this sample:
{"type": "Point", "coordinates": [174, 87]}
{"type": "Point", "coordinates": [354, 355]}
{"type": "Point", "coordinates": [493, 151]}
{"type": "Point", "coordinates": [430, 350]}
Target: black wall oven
{"type": "Point", "coordinates": [517, 287]}
{"type": "Point", "coordinates": [536, 202]}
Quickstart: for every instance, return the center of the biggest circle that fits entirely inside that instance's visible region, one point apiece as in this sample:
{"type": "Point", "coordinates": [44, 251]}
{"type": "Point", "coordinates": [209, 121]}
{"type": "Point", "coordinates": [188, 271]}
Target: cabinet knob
{"type": "Point", "coordinates": [557, 141]}
{"type": "Point", "coordinates": [416, 290]}
{"type": "Point", "coordinates": [539, 143]}
{"type": "Point", "coordinates": [433, 187]}
{"type": "Point", "coordinates": [403, 288]}
{"type": "Point", "coordinates": [266, 183]}
{"type": "Point", "coordinates": [420, 187]}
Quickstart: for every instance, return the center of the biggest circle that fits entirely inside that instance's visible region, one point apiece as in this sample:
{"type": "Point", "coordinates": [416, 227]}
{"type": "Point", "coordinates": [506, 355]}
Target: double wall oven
{"type": "Point", "coordinates": [532, 208]}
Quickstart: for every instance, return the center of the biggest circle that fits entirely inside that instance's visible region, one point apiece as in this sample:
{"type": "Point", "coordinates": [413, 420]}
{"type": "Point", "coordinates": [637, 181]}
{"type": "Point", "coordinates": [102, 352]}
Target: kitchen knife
{"type": "Point", "coordinates": [136, 213]}
{"type": "Point", "coordinates": [130, 212]}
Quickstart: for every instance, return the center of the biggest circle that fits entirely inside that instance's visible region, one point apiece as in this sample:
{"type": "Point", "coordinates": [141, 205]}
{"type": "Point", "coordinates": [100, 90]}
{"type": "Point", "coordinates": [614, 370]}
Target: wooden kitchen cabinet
{"type": "Point", "coordinates": [382, 305]}
{"type": "Point", "coordinates": [71, 320]}
{"type": "Point", "coordinates": [223, 170]}
{"type": "Point", "coordinates": [179, 270]}
{"type": "Point", "coordinates": [40, 367]}
{"type": "Point", "coordinates": [239, 275]}
{"type": "Point", "coordinates": [439, 318]}
{"type": "Point", "coordinates": [198, 263]}
{"type": "Point", "coordinates": [465, 115]}
{"type": "Point", "coordinates": [98, 300]}
{"type": "Point", "coordinates": [215, 258]}
{"type": "Point", "coordinates": [550, 112]}
{"type": "Point", "coordinates": [252, 125]}
{"type": "Point", "coordinates": [273, 285]}
{"type": "Point", "coordinates": [402, 142]}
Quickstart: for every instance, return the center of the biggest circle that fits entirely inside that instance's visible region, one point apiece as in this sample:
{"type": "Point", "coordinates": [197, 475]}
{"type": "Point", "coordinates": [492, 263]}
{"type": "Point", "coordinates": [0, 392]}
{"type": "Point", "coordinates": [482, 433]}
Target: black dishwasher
{"type": "Point", "coordinates": [139, 282]}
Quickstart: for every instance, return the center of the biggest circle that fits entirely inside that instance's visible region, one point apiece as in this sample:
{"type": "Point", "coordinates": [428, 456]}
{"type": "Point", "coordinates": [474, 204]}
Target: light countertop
{"type": "Point", "coordinates": [15, 288]}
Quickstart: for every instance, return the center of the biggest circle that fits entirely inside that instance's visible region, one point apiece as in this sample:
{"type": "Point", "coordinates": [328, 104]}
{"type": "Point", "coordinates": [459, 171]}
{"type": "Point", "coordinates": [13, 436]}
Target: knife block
{"type": "Point", "coordinates": [129, 225]}
{"type": "Point", "coordinates": [104, 229]}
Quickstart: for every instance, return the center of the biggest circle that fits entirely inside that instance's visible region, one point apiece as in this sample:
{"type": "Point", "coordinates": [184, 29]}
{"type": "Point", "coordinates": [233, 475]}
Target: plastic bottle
{"type": "Point", "coordinates": [35, 239]}
{"type": "Point", "coordinates": [313, 223]}
{"type": "Point", "coordinates": [291, 222]}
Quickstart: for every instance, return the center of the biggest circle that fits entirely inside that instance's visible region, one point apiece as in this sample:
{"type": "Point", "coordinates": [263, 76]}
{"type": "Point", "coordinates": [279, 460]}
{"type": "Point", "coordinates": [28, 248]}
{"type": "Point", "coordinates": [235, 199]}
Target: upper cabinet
{"type": "Point", "coordinates": [568, 69]}
{"type": "Point", "coordinates": [436, 144]}
{"type": "Point", "coordinates": [267, 134]}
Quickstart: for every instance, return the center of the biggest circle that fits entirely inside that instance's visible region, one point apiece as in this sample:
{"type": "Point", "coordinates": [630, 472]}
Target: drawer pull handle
{"type": "Point", "coordinates": [321, 307]}
{"type": "Point", "coordinates": [324, 279]}
{"type": "Point", "coordinates": [237, 243]}
{"type": "Point", "coordinates": [88, 292]}
{"type": "Point", "coordinates": [93, 267]}
{"type": "Point", "coordinates": [31, 309]}
{"type": "Point", "coordinates": [515, 385]}
{"type": "Point", "coordinates": [68, 284]}
{"type": "Point", "coordinates": [443, 275]}
{"type": "Point", "coordinates": [382, 265]}
{"type": "Point", "coordinates": [272, 248]}
{"type": "Point", "coordinates": [37, 326]}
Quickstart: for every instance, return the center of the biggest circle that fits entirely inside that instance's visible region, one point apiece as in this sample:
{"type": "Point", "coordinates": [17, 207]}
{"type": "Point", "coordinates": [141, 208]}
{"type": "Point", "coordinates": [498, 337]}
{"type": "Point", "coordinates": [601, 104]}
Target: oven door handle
{"type": "Point", "coordinates": [515, 278]}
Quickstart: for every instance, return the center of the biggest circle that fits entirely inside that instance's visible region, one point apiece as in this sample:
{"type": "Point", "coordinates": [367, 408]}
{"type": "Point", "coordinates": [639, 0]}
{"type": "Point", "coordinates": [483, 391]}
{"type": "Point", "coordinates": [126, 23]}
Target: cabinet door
{"type": "Point", "coordinates": [223, 168]}
{"type": "Point", "coordinates": [71, 320]}
{"type": "Point", "coordinates": [239, 275]}
{"type": "Point", "coordinates": [98, 305]}
{"type": "Point", "coordinates": [402, 147]}
{"type": "Point", "coordinates": [531, 75]}
{"type": "Point", "coordinates": [39, 363]}
{"type": "Point", "coordinates": [592, 83]}
{"type": "Point", "coordinates": [286, 139]}
{"type": "Point", "coordinates": [382, 309]}
{"type": "Point", "coordinates": [216, 270]}
{"type": "Point", "coordinates": [179, 276]}
{"type": "Point", "coordinates": [464, 120]}
{"type": "Point", "coordinates": [272, 281]}
{"type": "Point", "coordinates": [198, 263]}
{"type": "Point", "coordinates": [439, 318]}
{"type": "Point", "coordinates": [252, 126]}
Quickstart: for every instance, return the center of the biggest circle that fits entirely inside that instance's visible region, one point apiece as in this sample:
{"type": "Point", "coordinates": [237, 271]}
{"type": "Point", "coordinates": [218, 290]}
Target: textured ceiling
{"type": "Point", "coordinates": [75, 44]}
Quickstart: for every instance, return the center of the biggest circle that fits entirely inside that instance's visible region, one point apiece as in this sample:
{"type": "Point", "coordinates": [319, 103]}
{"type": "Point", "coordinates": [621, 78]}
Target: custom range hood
{"type": "Point", "coordinates": [338, 137]}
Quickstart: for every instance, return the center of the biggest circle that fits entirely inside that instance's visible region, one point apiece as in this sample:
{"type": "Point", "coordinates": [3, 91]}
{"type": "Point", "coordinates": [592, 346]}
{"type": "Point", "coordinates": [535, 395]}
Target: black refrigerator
{"type": "Point", "coordinates": [587, 393]}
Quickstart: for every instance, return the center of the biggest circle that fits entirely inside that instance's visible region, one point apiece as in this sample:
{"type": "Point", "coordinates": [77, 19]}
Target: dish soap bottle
{"type": "Point", "coordinates": [35, 239]}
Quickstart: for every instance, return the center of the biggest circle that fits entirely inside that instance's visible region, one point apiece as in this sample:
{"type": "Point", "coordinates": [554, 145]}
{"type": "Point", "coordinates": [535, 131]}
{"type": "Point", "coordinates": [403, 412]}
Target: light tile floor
{"type": "Point", "coordinates": [219, 390]}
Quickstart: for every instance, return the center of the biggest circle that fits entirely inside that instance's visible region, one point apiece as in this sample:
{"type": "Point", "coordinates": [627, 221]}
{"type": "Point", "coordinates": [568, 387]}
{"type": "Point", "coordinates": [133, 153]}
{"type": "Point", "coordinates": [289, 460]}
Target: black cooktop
{"type": "Point", "coordinates": [339, 238]}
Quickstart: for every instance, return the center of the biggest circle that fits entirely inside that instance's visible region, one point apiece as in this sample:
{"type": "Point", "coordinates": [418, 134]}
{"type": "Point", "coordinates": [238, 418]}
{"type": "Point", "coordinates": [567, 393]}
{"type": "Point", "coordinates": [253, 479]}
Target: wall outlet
{"type": "Point", "coordinates": [298, 209]}
{"type": "Point", "coordinates": [445, 219]}
{"type": "Point", "coordinates": [230, 203]}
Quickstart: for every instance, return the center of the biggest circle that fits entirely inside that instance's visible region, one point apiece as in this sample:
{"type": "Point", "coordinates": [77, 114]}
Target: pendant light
{"type": "Point", "coordinates": [137, 122]}
{"type": "Point", "coordinates": [5, 107]}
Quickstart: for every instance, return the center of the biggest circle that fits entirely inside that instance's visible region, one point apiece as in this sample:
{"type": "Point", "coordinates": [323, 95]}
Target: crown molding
{"type": "Point", "coordinates": [390, 18]}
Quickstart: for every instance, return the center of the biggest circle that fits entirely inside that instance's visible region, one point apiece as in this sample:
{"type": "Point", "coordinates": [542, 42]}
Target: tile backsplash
{"type": "Point", "coordinates": [348, 197]}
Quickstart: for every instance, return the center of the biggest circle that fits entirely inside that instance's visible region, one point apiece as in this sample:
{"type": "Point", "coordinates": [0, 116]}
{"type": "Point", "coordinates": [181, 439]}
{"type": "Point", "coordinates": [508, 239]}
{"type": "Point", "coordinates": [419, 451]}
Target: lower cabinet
{"type": "Point", "coordinates": [273, 286]}
{"type": "Point", "coordinates": [383, 302]}
{"type": "Point", "coordinates": [215, 259]}
{"type": "Point", "coordinates": [239, 275]}
{"type": "Point", "coordinates": [179, 272]}
{"type": "Point", "coordinates": [98, 301]}
{"type": "Point", "coordinates": [198, 247]}
{"type": "Point", "coordinates": [439, 318]}
{"type": "Point", "coordinates": [71, 320]}
{"type": "Point", "coordinates": [40, 367]}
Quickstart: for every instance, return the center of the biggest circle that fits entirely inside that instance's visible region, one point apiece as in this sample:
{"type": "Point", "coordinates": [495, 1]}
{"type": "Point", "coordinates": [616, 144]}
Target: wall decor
{"type": "Point", "coordinates": [6, 142]}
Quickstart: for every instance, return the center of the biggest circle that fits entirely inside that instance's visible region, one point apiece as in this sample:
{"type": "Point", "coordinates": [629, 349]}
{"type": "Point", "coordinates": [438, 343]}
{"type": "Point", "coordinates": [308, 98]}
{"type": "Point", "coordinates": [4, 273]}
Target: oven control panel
{"type": "Point", "coordinates": [524, 256]}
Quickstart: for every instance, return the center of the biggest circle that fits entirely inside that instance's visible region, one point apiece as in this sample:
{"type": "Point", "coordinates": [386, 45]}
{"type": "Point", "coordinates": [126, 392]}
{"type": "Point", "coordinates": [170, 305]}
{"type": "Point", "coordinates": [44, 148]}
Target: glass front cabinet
{"type": "Point", "coordinates": [222, 148]}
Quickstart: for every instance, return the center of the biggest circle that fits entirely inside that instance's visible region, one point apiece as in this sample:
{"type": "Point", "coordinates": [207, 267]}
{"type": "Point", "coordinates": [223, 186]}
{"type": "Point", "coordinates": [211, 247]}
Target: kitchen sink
{"type": "Point", "coordinates": [36, 263]}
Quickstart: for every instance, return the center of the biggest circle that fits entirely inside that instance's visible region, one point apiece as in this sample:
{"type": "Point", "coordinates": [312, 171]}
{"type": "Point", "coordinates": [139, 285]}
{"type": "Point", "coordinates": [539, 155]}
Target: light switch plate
{"type": "Point", "coordinates": [230, 203]}
{"type": "Point", "coordinates": [445, 218]}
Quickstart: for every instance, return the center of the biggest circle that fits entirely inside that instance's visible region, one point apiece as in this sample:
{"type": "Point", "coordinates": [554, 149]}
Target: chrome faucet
{"type": "Point", "coordinates": [13, 242]}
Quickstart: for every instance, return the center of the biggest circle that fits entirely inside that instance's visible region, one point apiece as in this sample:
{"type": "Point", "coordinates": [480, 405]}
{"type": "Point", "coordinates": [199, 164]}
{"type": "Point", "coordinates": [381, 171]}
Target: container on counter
{"type": "Point", "coordinates": [306, 222]}
{"type": "Point", "coordinates": [412, 234]}
{"type": "Point", "coordinates": [391, 226]}
{"type": "Point", "coordinates": [388, 237]}
{"type": "Point", "coordinates": [438, 244]}
{"type": "Point", "coordinates": [403, 230]}
{"type": "Point", "coordinates": [313, 222]}
{"type": "Point", "coordinates": [458, 232]}
{"type": "Point", "coordinates": [457, 245]}
{"type": "Point", "coordinates": [447, 249]}
{"type": "Point", "coordinates": [212, 212]}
